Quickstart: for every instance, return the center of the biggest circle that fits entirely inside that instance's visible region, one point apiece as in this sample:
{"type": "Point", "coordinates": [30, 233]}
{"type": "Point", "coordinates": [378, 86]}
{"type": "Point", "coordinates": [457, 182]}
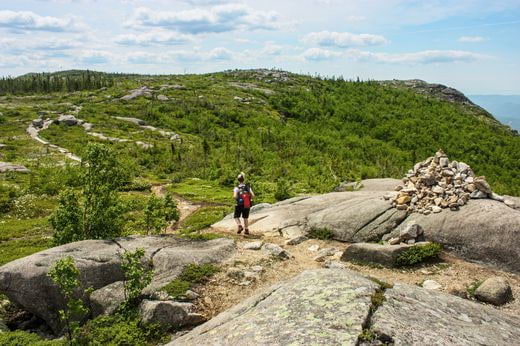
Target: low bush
{"type": "Point", "coordinates": [22, 338]}
{"type": "Point", "coordinates": [419, 253]}
{"type": "Point", "coordinates": [320, 233]}
{"type": "Point", "coordinates": [203, 218]}
{"type": "Point", "coordinates": [283, 190]}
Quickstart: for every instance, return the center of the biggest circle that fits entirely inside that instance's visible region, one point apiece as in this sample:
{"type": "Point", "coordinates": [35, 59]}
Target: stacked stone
{"type": "Point", "coordinates": [437, 183]}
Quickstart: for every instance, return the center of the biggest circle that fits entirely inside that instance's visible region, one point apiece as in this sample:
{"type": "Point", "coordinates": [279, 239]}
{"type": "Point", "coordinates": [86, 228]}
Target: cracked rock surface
{"type": "Point", "coordinates": [415, 316]}
{"type": "Point", "coordinates": [26, 283]}
{"type": "Point", "coordinates": [323, 306]}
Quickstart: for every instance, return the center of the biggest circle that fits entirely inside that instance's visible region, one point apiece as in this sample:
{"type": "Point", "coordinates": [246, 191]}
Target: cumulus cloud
{"type": "Point", "coordinates": [343, 39]}
{"type": "Point", "coordinates": [421, 57]}
{"type": "Point", "coordinates": [471, 39]}
{"type": "Point", "coordinates": [30, 21]}
{"type": "Point", "coordinates": [153, 38]}
{"type": "Point", "coordinates": [216, 19]}
{"type": "Point", "coordinates": [319, 54]}
{"type": "Point", "coordinates": [94, 57]}
{"type": "Point", "coordinates": [195, 55]}
{"type": "Point", "coordinates": [270, 48]}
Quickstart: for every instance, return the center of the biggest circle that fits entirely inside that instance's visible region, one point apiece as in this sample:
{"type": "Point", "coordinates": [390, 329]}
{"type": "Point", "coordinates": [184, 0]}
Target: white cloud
{"type": "Point", "coordinates": [471, 39]}
{"type": "Point", "coordinates": [215, 54]}
{"type": "Point", "coordinates": [421, 57]}
{"type": "Point", "coordinates": [270, 48]}
{"type": "Point", "coordinates": [343, 39]}
{"type": "Point", "coordinates": [153, 37]}
{"type": "Point", "coordinates": [319, 54]}
{"type": "Point", "coordinates": [216, 19]}
{"type": "Point", "coordinates": [30, 21]}
{"type": "Point", "coordinates": [95, 57]}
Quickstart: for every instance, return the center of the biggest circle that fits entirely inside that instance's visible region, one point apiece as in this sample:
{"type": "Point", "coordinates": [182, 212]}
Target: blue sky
{"type": "Point", "coordinates": [472, 45]}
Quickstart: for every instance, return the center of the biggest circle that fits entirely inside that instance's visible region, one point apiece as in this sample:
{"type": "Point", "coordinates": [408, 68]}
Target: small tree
{"type": "Point", "coordinates": [96, 212]}
{"type": "Point", "coordinates": [154, 215]}
{"type": "Point", "coordinates": [170, 208]}
{"type": "Point", "coordinates": [137, 275]}
{"type": "Point", "coordinates": [65, 274]}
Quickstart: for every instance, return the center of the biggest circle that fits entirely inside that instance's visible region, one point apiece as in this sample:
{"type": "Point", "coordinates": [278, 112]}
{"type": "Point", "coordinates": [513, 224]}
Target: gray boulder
{"type": "Point", "coordinates": [385, 255]}
{"type": "Point", "coordinates": [324, 306]}
{"type": "Point", "coordinates": [276, 251]}
{"type": "Point", "coordinates": [26, 283]}
{"type": "Point", "coordinates": [11, 167]}
{"type": "Point", "coordinates": [135, 121]}
{"type": "Point", "coordinates": [168, 314]}
{"type": "Point", "coordinates": [253, 245]}
{"type": "Point", "coordinates": [68, 120]}
{"type": "Point", "coordinates": [37, 123]}
{"type": "Point", "coordinates": [495, 290]}
{"type": "Point", "coordinates": [414, 316]}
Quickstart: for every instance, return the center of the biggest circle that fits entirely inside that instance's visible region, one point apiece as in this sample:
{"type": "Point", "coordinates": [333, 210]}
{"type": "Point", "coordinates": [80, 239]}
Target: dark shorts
{"type": "Point", "coordinates": [241, 211]}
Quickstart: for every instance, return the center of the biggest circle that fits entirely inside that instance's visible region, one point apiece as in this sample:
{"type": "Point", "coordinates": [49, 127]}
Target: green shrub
{"type": "Point", "coordinates": [191, 275]}
{"type": "Point", "coordinates": [137, 275]}
{"type": "Point", "coordinates": [320, 233]}
{"type": "Point", "coordinates": [22, 338]}
{"type": "Point", "coordinates": [8, 194]}
{"type": "Point", "coordinates": [65, 274]}
{"type": "Point", "coordinates": [203, 218]}
{"type": "Point", "coordinates": [367, 335]}
{"type": "Point", "coordinates": [119, 330]}
{"type": "Point", "coordinates": [155, 215]}
{"type": "Point", "coordinates": [170, 208]}
{"type": "Point", "coordinates": [283, 190]}
{"type": "Point", "coordinates": [418, 253]}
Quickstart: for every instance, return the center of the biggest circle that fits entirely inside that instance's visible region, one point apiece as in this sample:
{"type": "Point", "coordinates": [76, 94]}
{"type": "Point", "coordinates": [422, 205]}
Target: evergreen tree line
{"type": "Point", "coordinates": [50, 82]}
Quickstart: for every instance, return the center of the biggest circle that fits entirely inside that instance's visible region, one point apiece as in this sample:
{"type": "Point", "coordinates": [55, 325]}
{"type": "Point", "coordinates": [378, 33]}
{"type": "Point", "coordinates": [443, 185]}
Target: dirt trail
{"type": "Point", "coordinates": [186, 208]}
{"type": "Point", "coordinates": [221, 293]}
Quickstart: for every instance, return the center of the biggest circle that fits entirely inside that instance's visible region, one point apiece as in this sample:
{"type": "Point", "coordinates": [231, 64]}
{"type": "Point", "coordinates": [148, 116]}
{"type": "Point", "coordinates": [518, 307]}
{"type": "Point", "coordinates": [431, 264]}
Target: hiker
{"type": "Point", "coordinates": [243, 195]}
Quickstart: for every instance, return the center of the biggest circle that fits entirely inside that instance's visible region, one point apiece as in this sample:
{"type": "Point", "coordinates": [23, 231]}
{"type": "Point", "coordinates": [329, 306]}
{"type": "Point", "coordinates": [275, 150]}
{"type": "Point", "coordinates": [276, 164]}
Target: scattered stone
{"type": "Point", "coordinates": [167, 314]}
{"type": "Point", "coordinates": [324, 253]}
{"type": "Point", "coordinates": [254, 245]}
{"type": "Point", "coordinates": [394, 241]}
{"type": "Point", "coordinates": [162, 98]}
{"type": "Point", "coordinates": [161, 295]}
{"type": "Point", "coordinates": [11, 167]}
{"type": "Point", "coordinates": [276, 251]}
{"type": "Point", "coordinates": [135, 121]}
{"type": "Point", "coordinates": [296, 240]}
{"type": "Point", "coordinates": [334, 265]}
{"type": "Point", "coordinates": [142, 91]}
{"type": "Point", "coordinates": [87, 126]}
{"type": "Point", "coordinates": [411, 231]}
{"type": "Point", "coordinates": [235, 273]}
{"type": "Point", "coordinates": [431, 285]}
{"type": "Point", "coordinates": [436, 209]}
{"type": "Point", "coordinates": [69, 120]}
{"type": "Point", "coordinates": [495, 290]}
{"type": "Point", "coordinates": [191, 295]}
{"type": "Point", "coordinates": [257, 269]}
{"type": "Point", "coordinates": [37, 123]}
{"type": "Point", "coordinates": [349, 186]}
{"type": "Point", "coordinates": [314, 248]}
{"type": "Point", "coordinates": [478, 195]}
{"type": "Point", "coordinates": [375, 253]}
{"type": "Point", "coordinates": [482, 185]}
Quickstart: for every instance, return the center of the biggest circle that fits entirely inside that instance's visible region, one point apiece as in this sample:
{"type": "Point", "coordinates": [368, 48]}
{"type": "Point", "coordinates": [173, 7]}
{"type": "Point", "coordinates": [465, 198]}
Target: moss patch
{"type": "Point", "coordinates": [473, 287]}
{"type": "Point", "coordinates": [192, 274]}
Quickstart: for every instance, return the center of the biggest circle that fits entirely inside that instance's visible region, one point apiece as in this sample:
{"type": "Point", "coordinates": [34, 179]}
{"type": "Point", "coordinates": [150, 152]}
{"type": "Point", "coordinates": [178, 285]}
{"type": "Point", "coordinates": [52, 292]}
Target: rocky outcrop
{"type": "Point", "coordinates": [168, 313]}
{"type": "Point", "coordinates": [142, 91]}
{"type": "Point", "coordinates": [327, 306]}
{"type": "Point", "coordinates": [483, 230]}
{"type": "Point", "coordinates": [11, 167]}
{"type": "Point", "coordinates": [337, 306]}
{"type": "Point", "coordinates": [414, 316]}
{"type": "Point", "coordinates": [26, 283]}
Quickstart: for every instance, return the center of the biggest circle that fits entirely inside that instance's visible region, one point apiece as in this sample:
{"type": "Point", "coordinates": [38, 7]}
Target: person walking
{"type": "Point", "coordinates": [243, 195]}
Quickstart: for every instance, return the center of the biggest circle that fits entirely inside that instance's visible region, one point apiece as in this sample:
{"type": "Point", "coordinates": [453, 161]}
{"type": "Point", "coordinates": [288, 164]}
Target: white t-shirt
{"type": "Point", "coordinates": [237, 189]}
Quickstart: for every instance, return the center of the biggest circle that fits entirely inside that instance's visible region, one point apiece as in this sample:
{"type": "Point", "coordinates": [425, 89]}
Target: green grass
{"type": "Point", "coordinates": [418, 253]}
{"type": "Point", "coordinates": [14, 228]}
{"type": "Point", "coordinates": [472, 288]}
{"type": "Point", "coordinates": [203, 218]}
{"type": "Point", "coordinates": [22, 338]}
{"type": "Point", "coordinates": [197, 190]}
{"type": "Point", "coordinates": [14, 249]}
{"type": "Point", "coordinates": [192, 274]}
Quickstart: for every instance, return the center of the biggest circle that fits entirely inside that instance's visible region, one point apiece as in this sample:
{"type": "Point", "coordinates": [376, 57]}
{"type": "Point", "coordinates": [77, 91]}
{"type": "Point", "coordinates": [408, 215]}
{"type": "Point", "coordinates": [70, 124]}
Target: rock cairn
{"type": "Point", "coordinates": [438, 183]}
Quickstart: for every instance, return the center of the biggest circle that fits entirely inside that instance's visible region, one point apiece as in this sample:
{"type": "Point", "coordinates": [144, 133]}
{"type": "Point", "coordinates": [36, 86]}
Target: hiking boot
{"type": "Point", "coordinates": [240, 229]}
{"type": "Point", "coordinates": [246, 232]}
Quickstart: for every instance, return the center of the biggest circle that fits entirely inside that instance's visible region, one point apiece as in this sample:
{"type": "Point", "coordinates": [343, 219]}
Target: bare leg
{"type": "Point", "coordinates": [246, 224]}
{"type": "Point", "coordinates": [237, 220]}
